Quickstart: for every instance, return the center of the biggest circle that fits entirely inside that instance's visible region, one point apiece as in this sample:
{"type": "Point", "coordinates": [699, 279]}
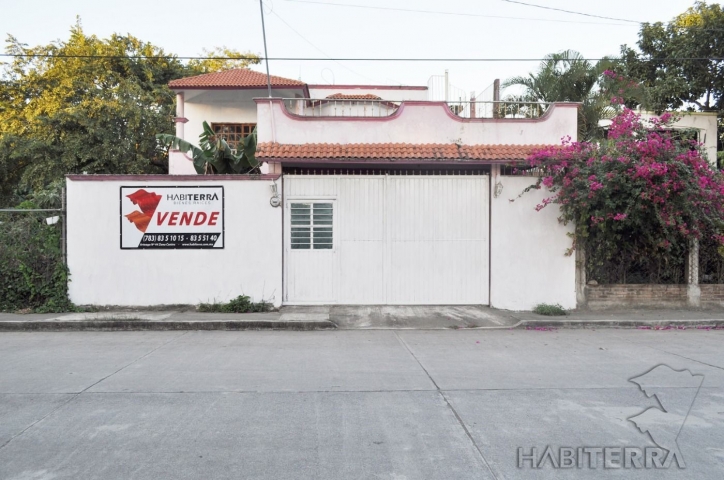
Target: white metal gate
{"type": "Point", "coordinates": [386, 239]}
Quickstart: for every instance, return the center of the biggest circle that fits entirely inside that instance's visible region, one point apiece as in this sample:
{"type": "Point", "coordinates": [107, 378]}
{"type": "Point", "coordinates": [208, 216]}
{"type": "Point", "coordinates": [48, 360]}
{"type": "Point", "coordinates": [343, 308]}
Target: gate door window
{"type": "Point", "coordinates": [312, 226]}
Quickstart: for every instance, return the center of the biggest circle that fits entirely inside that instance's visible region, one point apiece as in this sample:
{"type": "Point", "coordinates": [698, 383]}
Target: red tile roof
{"type": "Point", "coordinates": [395, 151]}
{"type": "Point", "coordinates": [353, 96]}
{"type": "Point", "coordinates": [237, 78]}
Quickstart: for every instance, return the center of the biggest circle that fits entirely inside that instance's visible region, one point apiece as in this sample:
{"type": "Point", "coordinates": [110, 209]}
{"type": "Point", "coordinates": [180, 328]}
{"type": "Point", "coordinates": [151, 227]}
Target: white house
{"type": "Point", "coordinates": [371, 195]}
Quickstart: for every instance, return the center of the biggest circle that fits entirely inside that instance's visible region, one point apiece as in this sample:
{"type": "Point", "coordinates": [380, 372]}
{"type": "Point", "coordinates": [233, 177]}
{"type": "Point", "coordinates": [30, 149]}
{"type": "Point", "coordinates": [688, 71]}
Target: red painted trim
{"type": "Point", "coordinates": [168, 178]}
{"type": "Point", "coordinates": [180, 120]}
{"type": "Point", "coordinates": [301, 118]}
{"type": "Point", "coordinates": [450, 113]}
{"type": "Point", "coordinates": [418, 103]}
{"type": "Point", "coordinates": [369, 87]}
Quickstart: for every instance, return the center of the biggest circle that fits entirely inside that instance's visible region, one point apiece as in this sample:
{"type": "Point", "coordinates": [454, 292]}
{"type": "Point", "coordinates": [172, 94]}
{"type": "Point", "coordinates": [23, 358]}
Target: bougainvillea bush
{"type": "Point", "coordinates": [636, 198]}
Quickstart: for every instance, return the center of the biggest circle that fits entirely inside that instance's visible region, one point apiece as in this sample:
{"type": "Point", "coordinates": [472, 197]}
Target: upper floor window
{"type": "Point", "coordinates": [233, 132]}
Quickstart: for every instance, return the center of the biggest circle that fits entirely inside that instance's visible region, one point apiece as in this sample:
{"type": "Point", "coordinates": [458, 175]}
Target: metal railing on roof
{"type": "Point", "coordinates": [501, 109]}
{"type": "Point", "coordinates": [329, 107]}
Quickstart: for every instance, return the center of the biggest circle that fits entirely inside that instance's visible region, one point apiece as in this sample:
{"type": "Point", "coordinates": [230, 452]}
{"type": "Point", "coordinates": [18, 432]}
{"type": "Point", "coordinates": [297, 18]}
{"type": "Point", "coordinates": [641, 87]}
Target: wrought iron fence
{"type": "Point", "coordinates": [32, 260]}
{"type": "Point", "coordinates": [711, 262]}
{"type": "Point", "coordinates": [17, 225]}
{"type": "Point", "coordinates": [628, 264]}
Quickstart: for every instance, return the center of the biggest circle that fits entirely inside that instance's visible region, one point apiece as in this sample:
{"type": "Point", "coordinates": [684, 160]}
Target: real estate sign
{"type": "Point", "coordinates": [163, 217]}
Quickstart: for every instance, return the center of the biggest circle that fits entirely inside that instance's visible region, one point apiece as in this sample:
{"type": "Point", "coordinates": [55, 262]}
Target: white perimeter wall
{"type": "Point", "coordinates": [416, 123]}
{"type": "Point", "coordinates": [528, 262]}
{"type": "Point", "coordinates": [103, 274]}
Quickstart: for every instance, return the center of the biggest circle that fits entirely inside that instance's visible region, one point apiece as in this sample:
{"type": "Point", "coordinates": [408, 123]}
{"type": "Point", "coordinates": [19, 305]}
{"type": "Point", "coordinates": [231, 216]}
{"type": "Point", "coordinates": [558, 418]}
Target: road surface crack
{"type": "Point", "coordinates": [450, 406]}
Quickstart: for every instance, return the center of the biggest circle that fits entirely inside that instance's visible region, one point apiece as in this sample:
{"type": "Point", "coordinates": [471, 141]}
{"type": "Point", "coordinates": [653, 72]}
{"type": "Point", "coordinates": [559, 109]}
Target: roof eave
{"type": "Point", "coordinates": [389, 161]}
{"type": "Point", "coordinates": [264, 87]}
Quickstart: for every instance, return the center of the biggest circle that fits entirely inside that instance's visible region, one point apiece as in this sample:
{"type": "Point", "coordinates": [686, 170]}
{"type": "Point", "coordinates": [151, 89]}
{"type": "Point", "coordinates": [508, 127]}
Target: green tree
{"type": "Point", "coordinates": [89, 105]}
{"type": "Point", "coordinates": [568, 77]}
{"type": "Point", "coordinates": [83, 105]}
{"type": "Point", "coordinates": [221, 58]}
{"type": "Point", "coordinates": [679, 64]}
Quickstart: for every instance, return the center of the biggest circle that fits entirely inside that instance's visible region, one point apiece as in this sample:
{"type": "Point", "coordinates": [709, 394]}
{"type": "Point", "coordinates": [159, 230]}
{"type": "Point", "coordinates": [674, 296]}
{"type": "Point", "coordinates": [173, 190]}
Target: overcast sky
{"type": "Point", "coordinates": [185, 27]}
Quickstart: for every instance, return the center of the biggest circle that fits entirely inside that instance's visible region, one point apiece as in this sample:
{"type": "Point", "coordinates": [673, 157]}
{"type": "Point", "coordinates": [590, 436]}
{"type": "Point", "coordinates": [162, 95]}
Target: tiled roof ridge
{"type": "Point", "coordinates": [236, 77]}
{"type": "Point", "coordinates": [353, 96]}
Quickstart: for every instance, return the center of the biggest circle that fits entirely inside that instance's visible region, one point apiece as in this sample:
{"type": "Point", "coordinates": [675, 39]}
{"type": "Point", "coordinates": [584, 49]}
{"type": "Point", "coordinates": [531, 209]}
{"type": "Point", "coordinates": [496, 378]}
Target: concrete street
{"type": "Point", "coordinates": [347, 404]}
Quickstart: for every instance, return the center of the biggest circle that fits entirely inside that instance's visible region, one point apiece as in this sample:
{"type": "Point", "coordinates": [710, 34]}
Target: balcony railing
{"type": "Point", "coordinates": [327, 107]}
{"type": "Point", "coordinates": [505, 109]}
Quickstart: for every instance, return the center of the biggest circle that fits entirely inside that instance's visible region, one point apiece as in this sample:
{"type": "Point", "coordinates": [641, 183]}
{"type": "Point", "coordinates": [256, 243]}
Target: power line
{"type": "Point", "coordinates": [439, 12]}
{"type": "Point", "coordinates": [629, 22]}
{"type": "Point", "coordinates": [317, 48]}
{"type": "Point", "coordinates": [703, 29]}
{"type": "Point", "coordinates": [329, 59]}
{"type": "Point", "coordinates": [572, 12]}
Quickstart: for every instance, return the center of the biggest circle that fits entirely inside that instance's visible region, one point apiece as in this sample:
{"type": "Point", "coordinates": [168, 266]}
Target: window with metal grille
{"type": "Point", "coordinates": [312, 226]}
{"type": "Point", "coordinates": [233, 133]}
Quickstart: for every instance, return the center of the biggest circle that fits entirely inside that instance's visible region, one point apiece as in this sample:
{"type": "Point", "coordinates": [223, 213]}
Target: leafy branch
{"type": "Point", "coordinates": [214, 155]}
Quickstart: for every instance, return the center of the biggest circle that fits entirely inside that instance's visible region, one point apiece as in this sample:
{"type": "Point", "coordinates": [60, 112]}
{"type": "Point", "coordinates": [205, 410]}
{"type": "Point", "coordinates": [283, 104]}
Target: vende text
{"type": "Point", "coordinates": [187, 218]}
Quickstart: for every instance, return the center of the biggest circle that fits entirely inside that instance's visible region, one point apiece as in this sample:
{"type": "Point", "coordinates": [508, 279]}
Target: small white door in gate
{"type": "Point", "coordinates": [310, 252]}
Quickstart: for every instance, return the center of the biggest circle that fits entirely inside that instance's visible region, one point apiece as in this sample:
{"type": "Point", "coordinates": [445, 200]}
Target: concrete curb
{"type": "Point", "coordinates": [577, 323]}
{"type": "Point", "coordinates": [150, 325]}
{"type": "Point", "coordinates": [322, 322]}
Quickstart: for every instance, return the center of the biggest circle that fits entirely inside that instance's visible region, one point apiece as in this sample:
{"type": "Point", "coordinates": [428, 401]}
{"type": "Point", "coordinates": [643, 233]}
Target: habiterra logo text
{"type": "Point", "coordinates": [192, 197]}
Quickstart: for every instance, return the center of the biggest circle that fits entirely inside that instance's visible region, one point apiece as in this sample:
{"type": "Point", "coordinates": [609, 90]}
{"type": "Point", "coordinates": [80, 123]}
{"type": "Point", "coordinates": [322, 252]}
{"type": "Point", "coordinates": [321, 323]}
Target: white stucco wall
{"type": "Point", "coordinates": [528, 261]}
{"type": "Point", "coordinates": [180, 164]}
{"type": "Point", "coordinates": [222, 106]}
{"type": "Point", "coordinates": [415, 122]}
{"type": "Point", "coordinates": [391, 93]}
{"type": "Point", "coordinates": [213, 106]}
{"type": "Point", "coordinates": [103, 274]}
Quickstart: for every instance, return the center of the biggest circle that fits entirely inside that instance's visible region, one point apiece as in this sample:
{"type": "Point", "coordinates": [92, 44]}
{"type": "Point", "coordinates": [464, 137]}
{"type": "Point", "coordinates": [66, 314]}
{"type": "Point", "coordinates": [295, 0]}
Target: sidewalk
{"type": "Point", "coordinates": [362, 318]}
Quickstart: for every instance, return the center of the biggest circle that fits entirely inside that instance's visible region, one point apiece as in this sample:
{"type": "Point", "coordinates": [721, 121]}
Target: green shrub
{"type": "Point", "coordinates": [33, 276]}
{"type": "Point", "coordinates": [241, 304]}
{"type": "Point", "coordinates": [549, 310]}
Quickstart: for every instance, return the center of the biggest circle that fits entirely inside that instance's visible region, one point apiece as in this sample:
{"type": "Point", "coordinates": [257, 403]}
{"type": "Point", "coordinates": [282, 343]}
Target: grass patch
{"type": "Point", "coordinates": [241, 304]}
{"type": "Point", "coordinates": [549, 310]}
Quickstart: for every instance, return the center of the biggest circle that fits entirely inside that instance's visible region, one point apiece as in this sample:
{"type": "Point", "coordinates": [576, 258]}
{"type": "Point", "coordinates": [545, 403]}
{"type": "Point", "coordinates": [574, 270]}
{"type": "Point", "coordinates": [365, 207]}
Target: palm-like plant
{"type": "Point", "coordinates": [213, 155]}
{"type": "Point", "coordinates": [568, 77]}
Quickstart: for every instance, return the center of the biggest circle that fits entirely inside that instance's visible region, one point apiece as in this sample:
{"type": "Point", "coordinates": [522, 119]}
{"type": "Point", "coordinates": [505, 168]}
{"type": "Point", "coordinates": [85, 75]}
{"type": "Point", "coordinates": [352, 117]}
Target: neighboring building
{"type": "Point", "coordinates": [386, 198]}
{"type": "Point", "coordinates": [704, 124]}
